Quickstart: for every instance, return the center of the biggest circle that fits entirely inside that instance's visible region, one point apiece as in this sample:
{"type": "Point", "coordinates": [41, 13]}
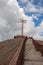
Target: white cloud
{"type": "Point", "coordinates": [15, 8]}
{"type": "Point", "coordinates": [35, 17]}
{"type": "Point", "coordinates": [24, 1]}
{"type": "Point", "coordinates": [9, 16]}
{"type": "Point", "coordinates": [28, 24]}
{"type": "Point", "coordinates": [38, 37]}
{"type": "Point", "coordinates": [3, 22]}
{"type": "Point", "coordinates": [39, 30]}
{"type": "Point", "coordinates": [33, 8]}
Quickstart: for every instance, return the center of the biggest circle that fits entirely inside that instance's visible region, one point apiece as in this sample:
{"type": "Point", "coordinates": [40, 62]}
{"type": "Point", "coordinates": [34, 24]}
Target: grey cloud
{"type": "Point", "coordinates": [6, 14]}
{"type": "Point", "coordinates": [3, 3]}
{"type": "Point", "coordinates": [10, 15]}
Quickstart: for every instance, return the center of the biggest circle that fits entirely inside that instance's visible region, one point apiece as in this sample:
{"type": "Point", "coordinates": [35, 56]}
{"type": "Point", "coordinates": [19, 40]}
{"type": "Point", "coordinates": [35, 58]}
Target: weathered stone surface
{"type": "Point", "coordinates": [8, 49]}
{"type": "Point", "coordinates": [31, 56]}
{"type": "Point", "coordinates": [33, 63]}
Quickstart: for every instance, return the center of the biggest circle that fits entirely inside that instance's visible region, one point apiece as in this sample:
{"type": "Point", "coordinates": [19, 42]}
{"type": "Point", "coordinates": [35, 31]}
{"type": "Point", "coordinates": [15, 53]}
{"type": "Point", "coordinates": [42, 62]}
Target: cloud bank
{"type": "Point", "coordinates": [10, 13]}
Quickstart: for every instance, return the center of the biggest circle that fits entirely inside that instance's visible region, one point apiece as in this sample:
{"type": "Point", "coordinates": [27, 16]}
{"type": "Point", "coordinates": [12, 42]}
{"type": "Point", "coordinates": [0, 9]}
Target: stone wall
{"type": "Point", "coordinates": [38, 46]}
{"type": "Point", "coordinates": [18, 57]}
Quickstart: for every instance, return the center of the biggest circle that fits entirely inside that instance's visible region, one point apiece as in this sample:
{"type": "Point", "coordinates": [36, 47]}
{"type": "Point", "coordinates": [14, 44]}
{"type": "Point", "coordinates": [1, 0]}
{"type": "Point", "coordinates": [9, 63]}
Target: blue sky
{"type": "Point", "coordinates": [37, 4]}
{"type": "Point", "coordinates": [13, 10]}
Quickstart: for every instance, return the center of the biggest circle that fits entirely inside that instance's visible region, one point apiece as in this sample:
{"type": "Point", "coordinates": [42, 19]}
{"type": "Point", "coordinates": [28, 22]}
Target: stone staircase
{"type": "Point", "coordinates": [31, 56]}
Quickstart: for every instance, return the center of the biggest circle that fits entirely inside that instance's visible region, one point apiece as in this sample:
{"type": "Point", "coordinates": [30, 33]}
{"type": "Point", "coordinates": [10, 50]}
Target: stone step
{"type": "Point", "coordinates": [38, 58]}
{"type": "Point", "coordinates": [32, 63]}
{"type": "Point", "coordinates": [34, 60]}
{"type": "Point", "coordinates": [29, 45]}
{"type": "Point", "coordinates": [32, 53]}
{"type": "Point", "coordinates": [31, 56]}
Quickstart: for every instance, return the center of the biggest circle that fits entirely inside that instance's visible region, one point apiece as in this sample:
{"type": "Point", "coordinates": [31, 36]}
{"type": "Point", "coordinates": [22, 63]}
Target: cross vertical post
{"type": "Point", "coordinates": [22, 25]}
